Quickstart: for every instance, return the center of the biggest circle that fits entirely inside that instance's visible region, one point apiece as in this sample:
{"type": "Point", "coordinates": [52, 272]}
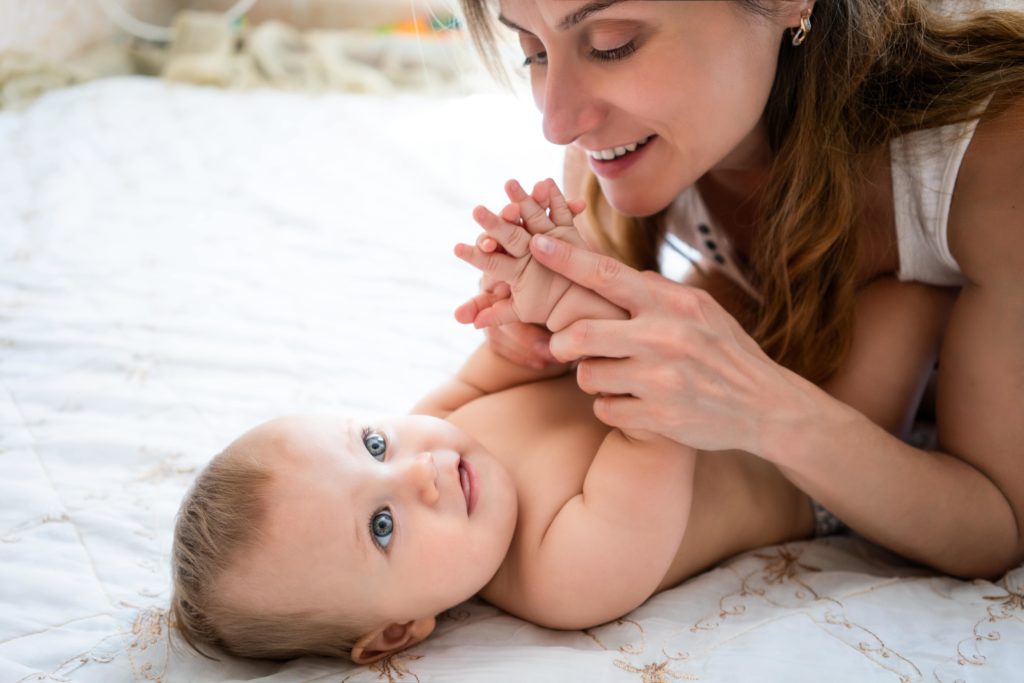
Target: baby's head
{"type": "Point", "coordinates": [334, 536]}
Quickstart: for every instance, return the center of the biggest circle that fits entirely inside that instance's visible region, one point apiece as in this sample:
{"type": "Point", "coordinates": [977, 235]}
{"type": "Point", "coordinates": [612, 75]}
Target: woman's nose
{"type": "Point", "coordinates": [568, 105]}
{"type": "Point", "coordinates": [420, 475]}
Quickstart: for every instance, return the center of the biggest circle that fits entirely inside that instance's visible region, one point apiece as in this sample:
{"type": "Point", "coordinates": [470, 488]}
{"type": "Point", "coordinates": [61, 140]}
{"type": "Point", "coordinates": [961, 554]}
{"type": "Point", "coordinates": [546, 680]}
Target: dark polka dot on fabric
{"type": "Point", "coordinates": [710, 244]}
{"type": "Point", "coordinates": [719, 259]}
{"type": "Point", "coordinates": [704, 230]}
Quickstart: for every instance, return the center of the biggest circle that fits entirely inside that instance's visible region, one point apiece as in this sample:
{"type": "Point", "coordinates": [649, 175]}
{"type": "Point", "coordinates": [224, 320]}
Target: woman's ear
{"type": "Point", "coordinates": [390, 639]}
{"type": "Point", "coordinates": [792, 10]}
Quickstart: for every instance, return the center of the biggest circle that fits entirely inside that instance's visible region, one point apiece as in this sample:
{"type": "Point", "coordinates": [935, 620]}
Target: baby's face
{"type": "Point", "coordinates": [382, 521]}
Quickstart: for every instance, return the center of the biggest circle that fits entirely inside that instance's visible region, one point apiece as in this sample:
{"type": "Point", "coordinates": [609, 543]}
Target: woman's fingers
{"type": "Point", "coordinates": [512, 238]}
{"type": "Point", "coordinates": [612, 279]}
{"type": "Point", "coordinates": [591, 337]}
{"type": "Point", "coordinates": [624, 412]}
{"type": "Point", "coordinates": [606, 376]}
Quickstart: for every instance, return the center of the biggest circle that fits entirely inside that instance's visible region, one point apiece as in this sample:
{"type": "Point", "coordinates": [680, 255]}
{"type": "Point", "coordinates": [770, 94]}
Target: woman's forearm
{"type": "Point", "coordinates": [928, 506]}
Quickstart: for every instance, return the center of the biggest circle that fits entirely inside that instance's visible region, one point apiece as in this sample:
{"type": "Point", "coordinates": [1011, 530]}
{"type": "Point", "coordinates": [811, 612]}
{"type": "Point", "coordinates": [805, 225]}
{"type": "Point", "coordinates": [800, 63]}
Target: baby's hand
{"type": "Point", "coordinates": [532, 290]}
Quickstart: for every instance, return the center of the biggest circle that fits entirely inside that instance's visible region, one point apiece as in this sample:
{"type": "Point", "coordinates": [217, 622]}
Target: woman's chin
{"type": "Point", "coordinates": [636, 204]}
{"type": "Point", "coordinates": [637, 199]}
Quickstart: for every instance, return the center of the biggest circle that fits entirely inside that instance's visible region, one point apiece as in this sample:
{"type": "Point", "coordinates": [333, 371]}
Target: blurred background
{"type": "Point", "coordinates": [373, 46]}
{"type": "Point", "coordinates": [60, 29]}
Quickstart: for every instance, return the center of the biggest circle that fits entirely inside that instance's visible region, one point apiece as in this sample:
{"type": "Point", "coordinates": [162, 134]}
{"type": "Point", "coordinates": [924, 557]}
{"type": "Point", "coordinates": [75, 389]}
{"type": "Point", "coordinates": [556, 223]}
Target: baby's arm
{"type": "Point", "coordinates": [537, 295]}
{"type": "Point", "coordinates": [484, 372]}
{"type": "Point", "coordinates": [610, 546]}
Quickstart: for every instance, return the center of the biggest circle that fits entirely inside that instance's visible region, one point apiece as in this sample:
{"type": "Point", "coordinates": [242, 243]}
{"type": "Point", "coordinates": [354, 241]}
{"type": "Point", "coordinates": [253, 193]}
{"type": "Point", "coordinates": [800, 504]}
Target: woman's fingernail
{"type": "Point", "coordinates": [545, 244]}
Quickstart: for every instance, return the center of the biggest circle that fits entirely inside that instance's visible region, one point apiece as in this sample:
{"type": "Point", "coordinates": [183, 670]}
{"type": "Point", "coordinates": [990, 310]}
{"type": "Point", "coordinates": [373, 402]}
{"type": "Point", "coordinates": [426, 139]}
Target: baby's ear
{"type": "Point", "coordinates": [390, 639]}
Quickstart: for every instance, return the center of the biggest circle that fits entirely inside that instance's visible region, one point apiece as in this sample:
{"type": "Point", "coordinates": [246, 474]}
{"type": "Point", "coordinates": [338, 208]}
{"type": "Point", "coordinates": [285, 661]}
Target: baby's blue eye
{"type": "Point", "coordinates": [382, 526]}
{"type": "Point", "coordinates": [376, 444]}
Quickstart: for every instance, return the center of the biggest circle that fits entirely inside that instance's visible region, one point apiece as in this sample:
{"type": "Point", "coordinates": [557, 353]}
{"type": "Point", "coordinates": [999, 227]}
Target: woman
{"type": "Point", "coordinates": [809, 148]}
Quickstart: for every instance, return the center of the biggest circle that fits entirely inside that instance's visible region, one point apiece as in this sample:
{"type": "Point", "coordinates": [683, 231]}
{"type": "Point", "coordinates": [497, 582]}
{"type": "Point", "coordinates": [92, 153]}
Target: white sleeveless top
{"type": "Point", "coordinates": [925, 165]}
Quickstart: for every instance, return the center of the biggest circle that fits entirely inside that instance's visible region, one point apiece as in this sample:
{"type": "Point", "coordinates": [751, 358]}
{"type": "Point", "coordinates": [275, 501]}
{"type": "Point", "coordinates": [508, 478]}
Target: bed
{"type": "Point", "coordinates": [179, 263]}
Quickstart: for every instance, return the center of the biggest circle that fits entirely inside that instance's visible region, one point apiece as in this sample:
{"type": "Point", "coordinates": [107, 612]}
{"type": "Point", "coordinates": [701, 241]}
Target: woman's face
{"type": "Point", "coordinates": [683, 84]}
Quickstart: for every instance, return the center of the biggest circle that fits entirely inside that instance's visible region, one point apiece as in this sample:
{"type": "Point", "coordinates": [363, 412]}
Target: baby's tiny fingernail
{"type": "Point", "coordinates": [541, 348]}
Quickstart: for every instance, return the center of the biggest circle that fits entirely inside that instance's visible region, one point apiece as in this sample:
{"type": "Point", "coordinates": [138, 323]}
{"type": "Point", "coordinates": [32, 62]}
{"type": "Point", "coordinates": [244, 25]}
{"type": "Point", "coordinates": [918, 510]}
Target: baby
{"type": "Point", "coordinates": [343, 535]}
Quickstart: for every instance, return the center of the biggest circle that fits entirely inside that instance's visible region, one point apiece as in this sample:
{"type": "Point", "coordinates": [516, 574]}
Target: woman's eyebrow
{"type": "Point", "coordinates": [584, 12]}
{"type": "Point", "coordinates": [569, 21]}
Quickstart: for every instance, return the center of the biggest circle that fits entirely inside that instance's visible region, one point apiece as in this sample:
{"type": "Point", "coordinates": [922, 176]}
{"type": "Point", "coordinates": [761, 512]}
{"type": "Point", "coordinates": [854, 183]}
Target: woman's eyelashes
{"type": "Point", "coordinates": [614, 54]}
{"type": "Point", "coordinates": [376, 443]}
{"type": "Point", "coordinates": [382, 526]}
{"type": "Point", "coordinates": [621, 52]}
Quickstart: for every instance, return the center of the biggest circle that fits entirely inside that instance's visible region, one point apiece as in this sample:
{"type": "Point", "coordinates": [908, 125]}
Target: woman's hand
{"type": "Point", "coordinates": [681, 366]}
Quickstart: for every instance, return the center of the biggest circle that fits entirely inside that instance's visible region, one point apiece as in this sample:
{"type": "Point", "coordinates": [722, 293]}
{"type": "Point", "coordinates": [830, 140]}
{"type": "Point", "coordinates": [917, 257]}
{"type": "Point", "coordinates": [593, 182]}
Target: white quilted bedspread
{"type": "Point", "coordinates": [178, 263]}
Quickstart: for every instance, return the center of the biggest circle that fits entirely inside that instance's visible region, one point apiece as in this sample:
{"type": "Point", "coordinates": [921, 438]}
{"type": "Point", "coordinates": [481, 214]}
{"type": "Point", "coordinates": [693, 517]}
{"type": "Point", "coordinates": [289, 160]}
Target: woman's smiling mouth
{"type": "Point", "coordinates": [615, 152]}
{"type": "Point", "coordinates": [613, 162]}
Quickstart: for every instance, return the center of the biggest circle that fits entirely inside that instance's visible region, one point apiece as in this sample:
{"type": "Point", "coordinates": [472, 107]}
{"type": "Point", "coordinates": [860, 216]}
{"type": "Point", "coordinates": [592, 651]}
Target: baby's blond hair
{"type": "Point", "coordinates": [221, 518]}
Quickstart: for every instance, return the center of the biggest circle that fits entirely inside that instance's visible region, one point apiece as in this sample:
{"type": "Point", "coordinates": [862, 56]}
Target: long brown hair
{"type": "Point", "coordinates": [870, 71]}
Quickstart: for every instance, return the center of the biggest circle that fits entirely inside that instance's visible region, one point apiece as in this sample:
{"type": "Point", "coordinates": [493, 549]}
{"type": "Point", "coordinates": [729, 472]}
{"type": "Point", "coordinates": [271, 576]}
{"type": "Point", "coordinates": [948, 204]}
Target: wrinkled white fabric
{"type": "Point", "coordinates": [179, 263]}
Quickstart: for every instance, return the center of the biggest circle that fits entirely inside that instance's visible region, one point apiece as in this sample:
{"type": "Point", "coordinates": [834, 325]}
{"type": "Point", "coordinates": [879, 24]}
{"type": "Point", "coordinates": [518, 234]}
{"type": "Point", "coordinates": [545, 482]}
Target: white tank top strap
{"type": "Point", "coordinates": [925, 165]}
{"type": "Point", "coordinates": [693, 240]}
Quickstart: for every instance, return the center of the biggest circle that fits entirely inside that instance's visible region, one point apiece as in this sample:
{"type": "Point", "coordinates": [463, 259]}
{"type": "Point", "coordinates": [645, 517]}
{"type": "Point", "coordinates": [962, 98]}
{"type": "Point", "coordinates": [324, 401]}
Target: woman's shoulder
{"type": "Point", "coordinates": [986, 224]}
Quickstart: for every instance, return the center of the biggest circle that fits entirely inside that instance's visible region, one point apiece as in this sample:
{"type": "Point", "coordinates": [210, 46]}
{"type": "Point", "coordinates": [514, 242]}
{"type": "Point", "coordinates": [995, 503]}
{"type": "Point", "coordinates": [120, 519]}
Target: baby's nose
{"type": "Point", "coordinates": [421, 472]}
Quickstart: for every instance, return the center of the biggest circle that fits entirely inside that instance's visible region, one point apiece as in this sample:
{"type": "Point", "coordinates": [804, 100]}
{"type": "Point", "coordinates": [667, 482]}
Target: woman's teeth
{"type": "Point", "coordinates": [615, 152]}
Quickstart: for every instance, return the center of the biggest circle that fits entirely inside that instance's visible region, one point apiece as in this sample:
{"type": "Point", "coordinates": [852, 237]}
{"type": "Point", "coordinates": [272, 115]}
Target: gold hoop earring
{"type": "Point", "coordinates": [800, 34]}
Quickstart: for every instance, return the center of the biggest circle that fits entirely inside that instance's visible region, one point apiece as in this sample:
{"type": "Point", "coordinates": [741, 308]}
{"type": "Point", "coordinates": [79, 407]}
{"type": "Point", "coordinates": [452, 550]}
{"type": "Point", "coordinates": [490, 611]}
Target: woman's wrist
{"type": "Point", "coordinates": [804, 427]}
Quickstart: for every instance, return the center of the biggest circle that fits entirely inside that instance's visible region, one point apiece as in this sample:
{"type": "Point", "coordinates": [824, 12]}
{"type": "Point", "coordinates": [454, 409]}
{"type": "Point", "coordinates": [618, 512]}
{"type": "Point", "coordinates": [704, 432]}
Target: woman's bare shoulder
{"type": "Point", "coordinates": [986, 222]}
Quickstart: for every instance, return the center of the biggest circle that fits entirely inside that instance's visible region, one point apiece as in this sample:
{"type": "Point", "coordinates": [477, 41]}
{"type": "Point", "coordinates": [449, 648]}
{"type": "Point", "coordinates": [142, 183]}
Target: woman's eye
{"type": "Point", "coordinates": [620, 52]}
{"type": "Point", "coordinates": [376, 444]}
{"type": "Point", "coordinates": [538, 58]}
{"type": "Point", "coordinates": [381, 528]}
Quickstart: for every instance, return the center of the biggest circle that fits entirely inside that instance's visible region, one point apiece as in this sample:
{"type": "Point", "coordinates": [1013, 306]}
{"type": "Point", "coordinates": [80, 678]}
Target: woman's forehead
{"type": "Point", "coordinates": [559, 14]}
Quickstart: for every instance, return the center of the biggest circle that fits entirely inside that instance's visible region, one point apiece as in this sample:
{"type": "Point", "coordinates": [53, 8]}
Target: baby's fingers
{"type": "Point", "coordinates": [513, 238]}
{"type": "Point", "coordinates": [500, 313]}
{"type": "Point", "coordinates": [485, 242]}
{"type": "Point", "coordinates": [498, 266]}
{"type": "Point", "coordinates": [561, 214]}
{"type": "Point", "coordinates": [467, 312]}
{"type": "Point", "coordinates": [534, 216]}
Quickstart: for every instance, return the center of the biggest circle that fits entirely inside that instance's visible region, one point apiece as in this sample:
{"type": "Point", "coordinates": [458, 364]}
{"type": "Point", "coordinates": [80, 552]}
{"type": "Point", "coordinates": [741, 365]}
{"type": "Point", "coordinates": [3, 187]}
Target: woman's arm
{"type": "Point", "coordinates": [682, 367]}
{"type": "Point", "coordinates": [960, 507]}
